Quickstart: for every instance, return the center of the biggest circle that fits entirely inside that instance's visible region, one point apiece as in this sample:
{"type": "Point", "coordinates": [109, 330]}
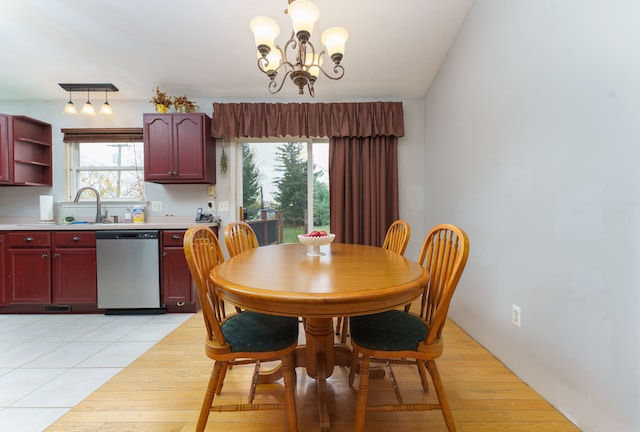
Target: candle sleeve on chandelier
{"type": "Point", "coordinates": [304, 15]}
{"type": "Point", "coordinates": [335, 39]}
{"type": "Point", "coordinates": [265, 31]}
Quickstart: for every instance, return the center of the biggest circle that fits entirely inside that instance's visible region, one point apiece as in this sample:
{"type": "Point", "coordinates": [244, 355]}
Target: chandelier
{"type": "Point", "coordinates": [299, 59]}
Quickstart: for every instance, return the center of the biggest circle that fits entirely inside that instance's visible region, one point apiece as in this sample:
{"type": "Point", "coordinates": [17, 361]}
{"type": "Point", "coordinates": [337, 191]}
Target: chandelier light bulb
{"type": "Point", "coordinates": [265, 31]}
{"type": "Point", "coordinates": [313, 63]}
{"type": "Point", "coordinates": [335, 39]}
{"type": "Point", "coordinates": [274, 58]}
{"type": "Point", "coordinates": [304, 15]}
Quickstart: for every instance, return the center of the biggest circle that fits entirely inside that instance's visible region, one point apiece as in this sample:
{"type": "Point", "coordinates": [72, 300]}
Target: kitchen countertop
{"type": "Point", "coordinates": [160, 223]}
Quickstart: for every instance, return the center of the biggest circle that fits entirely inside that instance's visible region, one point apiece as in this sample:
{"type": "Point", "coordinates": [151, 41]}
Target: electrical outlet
{"type": "Point", "coordinates": [223, 206]}
{"type": "Point", "coordinates": [516, 315]}
{"type": "Point", "coordinates": [156, 205]}
{"type": "Point", "coordinates": [211, 191]}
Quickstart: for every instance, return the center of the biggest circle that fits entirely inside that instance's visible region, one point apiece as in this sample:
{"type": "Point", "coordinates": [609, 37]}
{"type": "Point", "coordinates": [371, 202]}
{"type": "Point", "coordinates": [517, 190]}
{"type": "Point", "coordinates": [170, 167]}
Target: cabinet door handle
{"type": "Point", "coordinates": [164, 254]}
{"type": "Point", "coordinates": [75, 238]}
{"type": "Point", "coordinates": [28, 239]}
{"type": "Point", "coordinates": [56, 255]}
{"type": "Point", "coordinates": [43, 256]}
{"type": "Point", "coordinates": [180, 303]}
{"type": "Point", "coordinates": [175, 237]}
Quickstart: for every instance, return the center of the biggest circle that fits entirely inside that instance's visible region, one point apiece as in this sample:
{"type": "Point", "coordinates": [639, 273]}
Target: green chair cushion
{"type": "Point", "coordinates": [393, 330]}
{"type": "Point", "coordinates": [253, 331]}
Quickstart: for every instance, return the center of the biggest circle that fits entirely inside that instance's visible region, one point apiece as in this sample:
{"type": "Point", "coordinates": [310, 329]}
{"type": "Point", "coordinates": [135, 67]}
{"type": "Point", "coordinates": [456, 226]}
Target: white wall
{"type": "Point", "coordinates": [532, 134]}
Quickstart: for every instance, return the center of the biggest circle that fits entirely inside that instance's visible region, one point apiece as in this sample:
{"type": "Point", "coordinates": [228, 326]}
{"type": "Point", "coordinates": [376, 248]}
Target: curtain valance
{"type": "Point", "coordinates": [102, 135]}
{"type": "Point", "coordinates": [263, 120]}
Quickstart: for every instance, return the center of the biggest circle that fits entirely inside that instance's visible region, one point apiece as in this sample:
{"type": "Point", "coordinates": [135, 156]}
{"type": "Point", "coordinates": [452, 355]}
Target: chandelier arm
{"type": "Point", "coordinates": [274, 87]}
{"type": "Point", "coordinates": [263, 63]}
{"type": "Point", "coordinates": [294, 45]}
{"type": "Point", "coordinates": [337, 69]}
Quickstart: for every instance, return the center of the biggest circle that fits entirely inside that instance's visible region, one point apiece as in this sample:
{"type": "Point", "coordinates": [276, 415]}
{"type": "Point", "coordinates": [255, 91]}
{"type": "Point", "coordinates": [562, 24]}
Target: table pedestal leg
{"type": "Point", "coordinates": [320, 360]}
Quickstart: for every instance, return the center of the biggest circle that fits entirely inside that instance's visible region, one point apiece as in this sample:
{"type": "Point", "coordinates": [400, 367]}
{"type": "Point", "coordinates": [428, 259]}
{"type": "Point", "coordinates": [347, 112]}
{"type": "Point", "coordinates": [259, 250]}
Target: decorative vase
{"type": "Point", "coordinates": [161, 108]}
{"type": "Point", "coordinates": [181, 108]}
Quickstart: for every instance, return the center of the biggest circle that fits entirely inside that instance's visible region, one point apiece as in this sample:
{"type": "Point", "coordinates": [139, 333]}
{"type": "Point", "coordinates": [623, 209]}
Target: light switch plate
{"type": "Point", "coordinates": [223, 206]}
{"type": "Point", "coordinates": [156, 205]}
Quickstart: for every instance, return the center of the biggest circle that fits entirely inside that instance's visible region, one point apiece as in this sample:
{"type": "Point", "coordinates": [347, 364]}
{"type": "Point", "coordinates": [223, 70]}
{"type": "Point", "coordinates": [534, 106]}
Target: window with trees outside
{"type": "Point", "coordinates": [288, 183]}
{"type": "Point", "coordinates": [112, 163]}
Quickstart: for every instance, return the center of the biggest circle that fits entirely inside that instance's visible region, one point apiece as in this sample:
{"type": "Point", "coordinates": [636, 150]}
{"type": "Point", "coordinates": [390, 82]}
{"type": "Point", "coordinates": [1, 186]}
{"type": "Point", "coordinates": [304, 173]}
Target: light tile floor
{"type": "Point", "coordinates": [49, 363]}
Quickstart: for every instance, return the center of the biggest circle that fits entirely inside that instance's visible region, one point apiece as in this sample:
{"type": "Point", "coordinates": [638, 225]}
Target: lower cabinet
{"type": "Point", "coordinates": [3, 270]}
{"type": "Point", "coordinates": [50, 270]}
{"type": "Point", "coordinates": [178, 290]}
{"type": "Point", "coordinates": [74, 273]}
{"type": "Point", "coordinates": [56, 268]}
{"type": "Point", "coordinates": [29, 267]}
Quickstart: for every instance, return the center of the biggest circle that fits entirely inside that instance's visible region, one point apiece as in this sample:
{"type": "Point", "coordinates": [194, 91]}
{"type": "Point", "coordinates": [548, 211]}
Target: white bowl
{"type": "Point", "coordinates": [308, 240]}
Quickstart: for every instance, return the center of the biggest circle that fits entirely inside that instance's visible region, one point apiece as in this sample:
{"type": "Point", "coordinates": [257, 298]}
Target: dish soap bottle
{"type": "Point", "coordinates": [127, 216]}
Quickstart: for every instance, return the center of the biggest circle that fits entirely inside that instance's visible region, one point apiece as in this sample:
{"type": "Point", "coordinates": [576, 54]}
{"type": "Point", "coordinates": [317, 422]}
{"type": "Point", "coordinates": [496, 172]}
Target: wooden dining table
{"type": "Point", "coordinates": [346, 280]}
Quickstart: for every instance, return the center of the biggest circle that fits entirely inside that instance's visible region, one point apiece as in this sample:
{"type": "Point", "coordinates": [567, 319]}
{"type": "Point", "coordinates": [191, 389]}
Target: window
{"type": "Point", "coordinates": [109, 160]}
{"type": "Point", "coordinates": [280, 181]}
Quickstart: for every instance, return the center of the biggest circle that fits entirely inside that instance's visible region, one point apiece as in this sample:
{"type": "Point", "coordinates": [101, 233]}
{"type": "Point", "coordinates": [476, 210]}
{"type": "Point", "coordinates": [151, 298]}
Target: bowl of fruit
{"type": "Point", "coordinates": [314, 240]}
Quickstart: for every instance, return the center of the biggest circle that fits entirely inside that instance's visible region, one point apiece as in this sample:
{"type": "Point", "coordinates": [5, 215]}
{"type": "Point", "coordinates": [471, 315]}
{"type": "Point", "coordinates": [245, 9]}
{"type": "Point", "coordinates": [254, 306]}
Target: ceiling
{"type": "Point", "coordinates": [205, 50]}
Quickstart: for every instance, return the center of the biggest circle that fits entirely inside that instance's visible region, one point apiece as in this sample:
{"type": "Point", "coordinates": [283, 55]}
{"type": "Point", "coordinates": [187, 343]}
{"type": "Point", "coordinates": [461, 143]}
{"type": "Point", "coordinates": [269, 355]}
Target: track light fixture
{"type": "Point", "coordinates": [88, 108]}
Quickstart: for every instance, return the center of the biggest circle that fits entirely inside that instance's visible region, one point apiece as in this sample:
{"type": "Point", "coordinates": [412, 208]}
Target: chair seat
{"type": "Point", "coordinates": [253, 331]}
{"type": "Point", "coordinates": [393, 330]}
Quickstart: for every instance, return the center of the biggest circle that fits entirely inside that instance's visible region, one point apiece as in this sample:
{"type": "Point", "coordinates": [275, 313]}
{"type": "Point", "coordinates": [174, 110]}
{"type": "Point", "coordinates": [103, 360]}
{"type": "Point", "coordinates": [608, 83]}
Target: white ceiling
{"type": "Point", "coordinates": [205, 50]}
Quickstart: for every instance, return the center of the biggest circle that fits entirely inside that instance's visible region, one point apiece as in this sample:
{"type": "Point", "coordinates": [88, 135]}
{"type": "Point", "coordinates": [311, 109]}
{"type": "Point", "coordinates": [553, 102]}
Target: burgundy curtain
{"type": "Point", "coordinates": [363, 159]}
{"type": "Point", "coordinates": [363, 187]}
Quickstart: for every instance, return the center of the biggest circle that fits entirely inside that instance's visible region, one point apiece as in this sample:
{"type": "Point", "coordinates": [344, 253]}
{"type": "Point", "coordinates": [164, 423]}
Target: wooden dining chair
{"type": "Point", "coordinates": [397, 237]}
{"type": "Point", "coordinates": [239, 236]}
{"type": "Point", "coordinates": [399, 337]}
{"type": "Point", "coordinates": [247, 337]}
{"type": "Point", "coordinates": [396, 240]}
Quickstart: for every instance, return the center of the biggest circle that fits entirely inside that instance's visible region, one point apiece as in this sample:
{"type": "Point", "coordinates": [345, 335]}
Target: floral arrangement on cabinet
{"type": "Point", "coordinates": [163, 102]}
{"type": "Point", "coordinates": [183, 104]}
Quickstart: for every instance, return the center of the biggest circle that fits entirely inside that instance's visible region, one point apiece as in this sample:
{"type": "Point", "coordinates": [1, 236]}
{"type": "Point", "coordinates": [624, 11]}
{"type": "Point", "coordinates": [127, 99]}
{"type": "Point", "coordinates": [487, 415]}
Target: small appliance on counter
{"type": "Point", "coordinates": [203, 218]}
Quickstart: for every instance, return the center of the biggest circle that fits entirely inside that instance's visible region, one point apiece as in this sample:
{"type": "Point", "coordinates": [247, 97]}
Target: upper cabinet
{"type": "Point", "coordinates": [178, 148]}
{"type": "Point", "coordinates": [25, 151]}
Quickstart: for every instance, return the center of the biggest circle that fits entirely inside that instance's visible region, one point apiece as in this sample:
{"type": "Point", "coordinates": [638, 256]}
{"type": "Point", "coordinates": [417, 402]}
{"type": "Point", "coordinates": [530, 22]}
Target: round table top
{"type": "Point", "coordinates": [348, 280]}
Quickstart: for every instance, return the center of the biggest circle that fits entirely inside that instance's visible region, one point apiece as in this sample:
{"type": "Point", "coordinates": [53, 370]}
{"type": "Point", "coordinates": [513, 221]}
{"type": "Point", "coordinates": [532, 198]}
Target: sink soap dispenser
{"type": "Point", "coordinates": [127, 216]}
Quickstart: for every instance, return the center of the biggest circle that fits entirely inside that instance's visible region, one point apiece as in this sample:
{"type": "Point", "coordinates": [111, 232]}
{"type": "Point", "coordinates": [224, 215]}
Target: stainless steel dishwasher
{"type": "Point", "coordinates": [128, 271]}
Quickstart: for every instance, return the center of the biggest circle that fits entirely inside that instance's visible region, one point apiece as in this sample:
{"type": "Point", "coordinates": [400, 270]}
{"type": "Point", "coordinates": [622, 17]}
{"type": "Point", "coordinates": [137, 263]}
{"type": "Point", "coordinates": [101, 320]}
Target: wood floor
{"type": "Point", "coordinates": [163, 389]}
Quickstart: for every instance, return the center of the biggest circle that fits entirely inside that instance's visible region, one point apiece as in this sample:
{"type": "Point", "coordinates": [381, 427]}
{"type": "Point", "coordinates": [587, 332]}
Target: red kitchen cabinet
{"type": "Point", "coordinates": [4, 149]}
{"type": "Point", "coordinates": [178, 290]}
{"type": "Point", "coordinates": [29, 267]}
{"type": "Point", "coordinates": [74, 273]}
{"type": "Point", "coordinates": [178, 148]}
{"type": "Point", "coordinates": [25, 151]}
{"type": "Point", "coordinates": [3, 273]}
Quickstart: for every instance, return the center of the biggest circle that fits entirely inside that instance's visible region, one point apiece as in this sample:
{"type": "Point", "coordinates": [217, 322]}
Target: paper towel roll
{"type": "Point", "coordinates": [46, 208]}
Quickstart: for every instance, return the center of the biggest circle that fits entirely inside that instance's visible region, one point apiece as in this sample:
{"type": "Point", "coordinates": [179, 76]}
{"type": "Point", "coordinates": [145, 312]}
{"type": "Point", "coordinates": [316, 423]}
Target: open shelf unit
{"type": "Point", "coordinates": [28, 148]}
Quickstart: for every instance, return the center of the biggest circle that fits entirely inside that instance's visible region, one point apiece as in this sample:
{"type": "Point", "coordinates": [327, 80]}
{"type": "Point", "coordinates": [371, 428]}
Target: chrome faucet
{"type": "Point", "coordinates": [98, 204]}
